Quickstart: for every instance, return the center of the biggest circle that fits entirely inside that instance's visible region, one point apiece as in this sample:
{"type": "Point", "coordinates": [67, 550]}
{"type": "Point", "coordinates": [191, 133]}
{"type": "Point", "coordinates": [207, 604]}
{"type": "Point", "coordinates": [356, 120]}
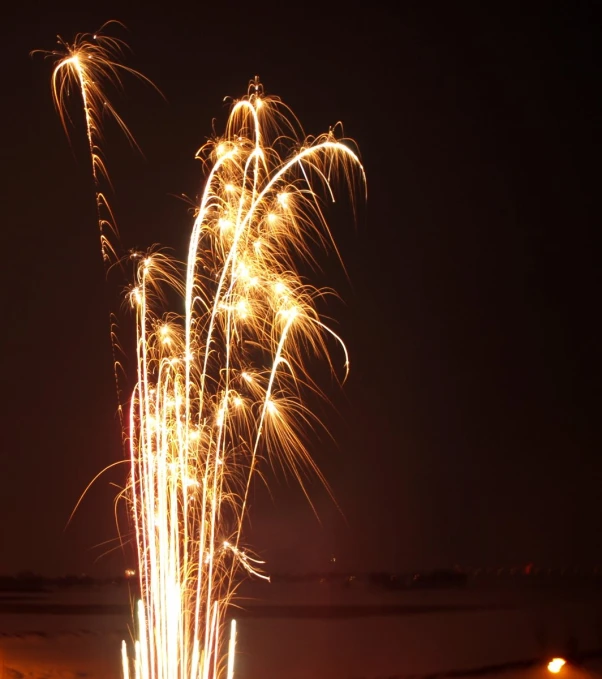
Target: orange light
{"type": "Point", "coordinates": [555, 665]}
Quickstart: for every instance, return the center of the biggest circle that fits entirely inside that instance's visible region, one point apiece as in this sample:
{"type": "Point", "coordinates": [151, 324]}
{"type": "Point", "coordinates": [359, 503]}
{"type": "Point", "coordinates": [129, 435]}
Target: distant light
{"type": "Point", "coordinates": [556, 664]}
{"type": "Point", "coordinates": [129, 573]}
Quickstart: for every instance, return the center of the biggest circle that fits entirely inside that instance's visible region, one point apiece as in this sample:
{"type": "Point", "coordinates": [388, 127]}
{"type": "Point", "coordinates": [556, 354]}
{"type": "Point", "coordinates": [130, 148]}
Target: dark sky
{"type": "Point", "coordinates": [468, 432]}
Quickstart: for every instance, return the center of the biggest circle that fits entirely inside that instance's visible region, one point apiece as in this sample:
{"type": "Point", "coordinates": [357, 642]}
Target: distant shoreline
{"type": "Point", "coordinates": [323, 611]}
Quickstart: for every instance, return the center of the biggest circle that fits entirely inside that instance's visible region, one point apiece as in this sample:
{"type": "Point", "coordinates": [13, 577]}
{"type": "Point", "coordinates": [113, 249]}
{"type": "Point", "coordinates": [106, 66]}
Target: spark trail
{"type": "Point", "coordinates": [224, 385]}
{"type": "Point", "coordinates": [221, 387]}
{"type": "Point", "coordinates": [87, 66]}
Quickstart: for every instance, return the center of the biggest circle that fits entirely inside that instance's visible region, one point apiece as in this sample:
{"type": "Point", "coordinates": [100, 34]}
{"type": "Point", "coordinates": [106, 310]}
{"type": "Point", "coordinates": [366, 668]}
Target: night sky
{"type": "Point", "coordinates": [469, 430]}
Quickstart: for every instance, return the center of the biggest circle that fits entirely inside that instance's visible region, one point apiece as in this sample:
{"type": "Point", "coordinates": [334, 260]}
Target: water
{"type": "Point", "coordinates": [321, 631]}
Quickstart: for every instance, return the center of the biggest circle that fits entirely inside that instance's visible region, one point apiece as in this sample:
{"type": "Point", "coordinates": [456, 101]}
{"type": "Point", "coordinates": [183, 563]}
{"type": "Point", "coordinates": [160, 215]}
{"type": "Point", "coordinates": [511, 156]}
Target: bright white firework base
{"type": "Point", "coordinates": [136, 666]}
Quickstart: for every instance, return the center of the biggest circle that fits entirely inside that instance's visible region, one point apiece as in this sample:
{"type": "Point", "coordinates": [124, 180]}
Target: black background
{"type": "Point", "coordinates": [468, 432]}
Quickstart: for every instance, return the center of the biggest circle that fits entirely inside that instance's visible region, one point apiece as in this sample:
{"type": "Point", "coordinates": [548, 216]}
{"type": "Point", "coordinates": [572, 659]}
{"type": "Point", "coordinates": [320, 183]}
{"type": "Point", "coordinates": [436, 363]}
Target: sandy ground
{"type": "Point", "coordinates": [321, 632]}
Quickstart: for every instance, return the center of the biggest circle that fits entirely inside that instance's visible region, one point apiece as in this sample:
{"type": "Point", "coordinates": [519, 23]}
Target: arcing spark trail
{"type": "Point", "coordinates": [222, 386]}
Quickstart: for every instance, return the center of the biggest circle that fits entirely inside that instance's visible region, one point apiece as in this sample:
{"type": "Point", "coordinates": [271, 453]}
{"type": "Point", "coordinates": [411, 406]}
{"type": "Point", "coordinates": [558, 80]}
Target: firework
{"type": "Point", "coordinates": [224, 384]}
{"type": "Point", "coordinates": [87, 66]}
{"type": "Point", "coordinates": [221, 387]}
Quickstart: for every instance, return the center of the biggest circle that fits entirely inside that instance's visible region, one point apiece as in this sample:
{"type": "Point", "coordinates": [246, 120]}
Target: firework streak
{"type": "Point", "coordinates": [221, 387]}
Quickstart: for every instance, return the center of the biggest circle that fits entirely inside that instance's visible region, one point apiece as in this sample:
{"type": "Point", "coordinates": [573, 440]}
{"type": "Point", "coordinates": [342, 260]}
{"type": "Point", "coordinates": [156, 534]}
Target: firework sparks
{"type": "Point", "coordinates": [87, 66]}
{"type": "Point", "coordinates": [222, 386]}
